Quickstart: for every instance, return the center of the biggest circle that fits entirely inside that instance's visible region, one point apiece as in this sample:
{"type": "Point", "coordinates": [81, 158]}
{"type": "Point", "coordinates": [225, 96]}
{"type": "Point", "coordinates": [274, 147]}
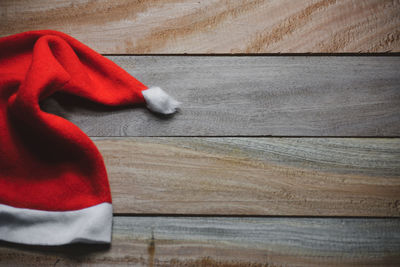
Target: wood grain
{"type": "Point", "coordinates": [212, 26]}
{"type": "Point", "coordinates": [253, 96]}
{"type": "Point", "coordinates": [254, 176]}
{"type": "Point", "coordinates": [224, 241]}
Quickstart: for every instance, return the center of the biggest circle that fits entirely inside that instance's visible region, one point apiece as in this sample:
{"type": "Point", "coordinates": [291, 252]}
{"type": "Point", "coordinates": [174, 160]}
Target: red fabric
{"type": "Point", "coordinates": [46, 162]}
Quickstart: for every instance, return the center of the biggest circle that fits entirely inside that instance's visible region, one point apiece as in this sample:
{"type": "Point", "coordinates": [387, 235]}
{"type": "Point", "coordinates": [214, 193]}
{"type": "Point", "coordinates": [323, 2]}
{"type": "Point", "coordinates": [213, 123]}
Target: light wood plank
{"type": "Point", "coordinates": [212, 26]}
{"type": "Point", "coordinates": [257, 96]}
{"type": "Point", "coordinates": [254, 176]}
{"type": "Point", "coordinates": [224, 241]}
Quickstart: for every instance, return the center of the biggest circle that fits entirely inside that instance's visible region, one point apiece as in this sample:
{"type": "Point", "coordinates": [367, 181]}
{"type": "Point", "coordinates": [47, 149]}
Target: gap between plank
{"type": "Point", "coordinates": [388, 54]}
{"type": "Point", "coordinates": [249, 216]}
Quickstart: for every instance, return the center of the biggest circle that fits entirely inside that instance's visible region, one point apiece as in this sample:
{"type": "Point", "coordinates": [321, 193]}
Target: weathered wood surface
{"type": "Point", "coordinates": [224, 241]}
{"type": "Point", "coordinates": [212, 26]}
{"type": "Point", "coordinates": [254, 176]}
{"type": "Point", "coordinates": [257, 96]}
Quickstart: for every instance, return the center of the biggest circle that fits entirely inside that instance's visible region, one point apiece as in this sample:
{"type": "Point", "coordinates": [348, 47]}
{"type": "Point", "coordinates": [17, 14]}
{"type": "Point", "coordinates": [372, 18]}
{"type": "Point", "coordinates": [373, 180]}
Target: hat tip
{"type": "Point", "coordinates": [159, 101]}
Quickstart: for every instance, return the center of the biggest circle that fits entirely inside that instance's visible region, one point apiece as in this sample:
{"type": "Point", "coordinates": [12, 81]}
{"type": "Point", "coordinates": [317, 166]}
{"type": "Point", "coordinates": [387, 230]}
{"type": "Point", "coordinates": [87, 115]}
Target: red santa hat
{"type": "Point", "coordinates": [53, 183]}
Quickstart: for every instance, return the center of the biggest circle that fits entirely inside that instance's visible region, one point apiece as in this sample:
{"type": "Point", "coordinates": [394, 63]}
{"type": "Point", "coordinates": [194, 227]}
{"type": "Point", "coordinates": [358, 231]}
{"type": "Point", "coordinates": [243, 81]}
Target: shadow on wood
{"type": "Point", "coordinates": [63, 105]}
{"type": "Point", "coordinates": [76, 252]}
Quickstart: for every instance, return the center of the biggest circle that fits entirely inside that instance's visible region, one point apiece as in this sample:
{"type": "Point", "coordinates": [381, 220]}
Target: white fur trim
{"type": "Point", "coordinates": [159, 101]}
{"type": "Point", "coordinates": [38, 227]}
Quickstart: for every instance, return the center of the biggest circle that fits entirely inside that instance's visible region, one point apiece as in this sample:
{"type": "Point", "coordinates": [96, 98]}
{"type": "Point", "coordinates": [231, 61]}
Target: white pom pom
{"type": "Point", "coordinates": [159, 101]}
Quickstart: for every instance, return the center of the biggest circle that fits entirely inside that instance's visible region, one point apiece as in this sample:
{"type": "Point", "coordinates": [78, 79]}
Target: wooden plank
{"type": "Point", "coordinates": [254, 176]}
{"type": "Point", "coordinates": [212, 26]}
{"type": "Point", "coordinates": [257, 96]}
{"type": "Point", "coordinates": [224, 241]}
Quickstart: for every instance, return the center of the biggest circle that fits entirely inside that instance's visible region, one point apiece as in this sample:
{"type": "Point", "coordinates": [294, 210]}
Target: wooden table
{"type": "Point", "coordinates": [286, 151]}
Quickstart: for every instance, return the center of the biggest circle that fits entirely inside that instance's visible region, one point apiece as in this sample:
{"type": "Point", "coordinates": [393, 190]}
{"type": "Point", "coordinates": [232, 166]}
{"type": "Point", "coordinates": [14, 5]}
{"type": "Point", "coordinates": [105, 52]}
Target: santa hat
{"type": "Point", "coordinates": [53, 183]}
